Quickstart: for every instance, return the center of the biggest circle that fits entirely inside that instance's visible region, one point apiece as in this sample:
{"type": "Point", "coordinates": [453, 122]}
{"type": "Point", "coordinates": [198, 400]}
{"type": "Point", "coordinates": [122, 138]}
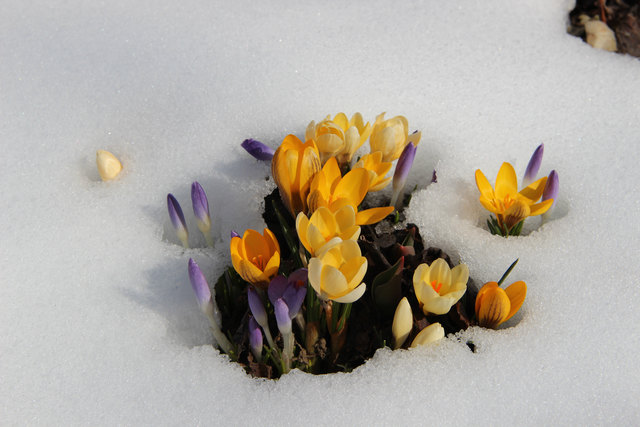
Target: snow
{"type": "Point", "coordinates": [98, 323]}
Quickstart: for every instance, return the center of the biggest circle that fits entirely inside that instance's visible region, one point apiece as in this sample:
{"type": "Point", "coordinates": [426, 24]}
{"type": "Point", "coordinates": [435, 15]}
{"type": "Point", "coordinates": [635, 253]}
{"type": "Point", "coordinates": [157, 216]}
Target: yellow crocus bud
{"type": "Point", "coordinates": [293, 167]}
{"type": "Point", "coordinates": [356, 132]}
{"type": "Point", "coordinates": [328, 136]}
{"type": "Point", "coordinates": [437, 287]}
{"type": "Point", "coordinates": [432, 333]}
{"type": "Point", "coordinates": [495, 305]}
{"type": "Point", "coordinates": [336, 273]}
{"type": "Point", "coordinates": [402, 323]}
{"type": "Point", "coordinates": [324, 225]}
{"type": "Point", "coordinates": [391, 136]}
{"type": "Point", "coordinates": [256, 257]}
{"type": "Point", "coordinates": [108, 165]}
{"type": "Point", "coordinates": [377, 170]}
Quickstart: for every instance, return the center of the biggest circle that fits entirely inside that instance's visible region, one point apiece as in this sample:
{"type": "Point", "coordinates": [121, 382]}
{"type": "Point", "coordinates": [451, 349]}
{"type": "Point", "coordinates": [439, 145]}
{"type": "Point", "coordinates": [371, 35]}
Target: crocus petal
{"type": "Point", "coordinates": [175, 213]}
{"type": "Point", "coordinates": [432, 333]}
{"type": "Point", "coordinates": [315, 274]}
{"type": "Point", "coordinates": [494, 307]}
{"type": "Point", "coordinates": [506, 181]}
{"type": "Point", "coordinates": [404, 166]}
{"type": "Point", "coordinates": [352, 296]}
{"type": "Point", "coordinates": [277, 286]}
{"type": "Point", "coordinates": [402, 322]}
{"type": "Point", "coordinates": [258, 150]}
{"type": "Point", "coordinates": [540, 208]}
{"type": "Point", "coordinates": [353, 186]}
{"type": "Point", "coordinates": [552, 186]}
{"type": "Point", "coordinates": [533, 166]}
{"type": "Point", "coordinates": [334, 284]}
{"type": "Point", "coordinates": [516, 292]}
{"type": "Point", "coordinates": [281, 311]}
{"type": "Point", "coordinates": [483, 185]}
{"type": "Point", "coordinates": [535, 190]}
{"type": "Point", "coordinates": [255, 338]}
{"type": "Point", "coordinates": [485, 288]}
{"type": "Point", "coordinates": [199, 284]}
{"type": "Point", "coordinates": [373, 215]}
{"type": "Point", "coordinates": [256, 307]}
{"type": "Point", "coordinates": [294, 297]}
{"type": "Point", "coordinates": [200, 205]}
{"type": "Point", "coordinates": [439, 305]}
{"type": "Point", "coordinates": [108, 165]}
{"type": "Point", "coordinates": [233, 234]}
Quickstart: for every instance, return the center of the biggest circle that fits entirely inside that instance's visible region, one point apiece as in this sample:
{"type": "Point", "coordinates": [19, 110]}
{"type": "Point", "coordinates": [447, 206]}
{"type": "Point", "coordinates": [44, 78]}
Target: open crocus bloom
{"type": "Point", "coordinates": [256, 257]}
{"type": "Point", "coordinates": [356, 132]}
{"type": "Point", "coordinates": [437, 287]}
{"type": "Point", "coordinates": [509, 205]}
{"type": "Point", "coordinates": [336, 273]}
{"type": "Point", "coordinates": [377, 170]}
{"type": "Point", "coordinates": [324, 225]}
{"type": "Point", "coordinates": [330, 189]}
{"type": "Point", "coordinates": [495, 305]}
{"type": "Point", "coordinates": [391, 136]}
{"type": "Point", "coordinates": [293, 167]}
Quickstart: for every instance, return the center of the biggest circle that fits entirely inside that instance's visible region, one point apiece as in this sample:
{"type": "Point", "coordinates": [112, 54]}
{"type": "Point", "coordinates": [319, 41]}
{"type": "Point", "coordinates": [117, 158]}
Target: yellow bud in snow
{"type": "Point", "coordinates": [108, 165]}
{"type": "Point", "coordinates": [402, 323]}
{"type": "Point", "coordinates": [432, 333]}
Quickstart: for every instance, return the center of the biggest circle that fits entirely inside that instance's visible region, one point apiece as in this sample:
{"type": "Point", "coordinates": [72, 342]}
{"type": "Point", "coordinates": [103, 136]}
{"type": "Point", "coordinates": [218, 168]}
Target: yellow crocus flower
{"type": "Point", "coordinates": [328, 136]}
{"type": "Point", "coordinates": [356, 132]}
{"type": "Point", "coordinates": [293, 167]}
{"type": "Point", "coordinates": [377, 170]}
{"type": "Point", "coordinates": [336, 273]}
{"type": "Point", "coordinates": [402, 323]}
{"type": "Point", "coordinates": [495, 305]}
{"type": "Point", "coordinates": [509, 205]}
{"type": "Point", "coordinates": [432, 333]}
{"type": "Point", "coordinates": [256, 257]}
{"type": "Point", "coordinates": [437, 287]}
{"type": "Point", "coordinates": [391, 136]}
{"type": "Point", "coordinates": [325, 225]}
{"type": "Point", "coordinates": [329, 188]}
{"type": "Point", "coordinates": [108, 165]}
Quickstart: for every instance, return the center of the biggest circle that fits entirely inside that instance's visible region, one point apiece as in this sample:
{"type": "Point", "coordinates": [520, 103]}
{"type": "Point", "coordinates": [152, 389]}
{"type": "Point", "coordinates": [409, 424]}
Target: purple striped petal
{"type": "Point", "coordinates": [534, 166]}
{"type": "Point", "coordinates": [258, 150]}
{"type": "Point", "coordinates": [234, 234]}
{"type": "Point", "coordinates": [281, 311]}
{"type": "Point", "coordinates": [199, 284]}
{"type": "Point", "coordinates": [256, 307]}
{"type": "Point", "coordinates": [404, 166]}
{"type": "Point", "coordinates": [200, 204]}
{"type": "Point", "coordinates": [175, 213]}
{"type": "Point", "coordinates": [552, 187]}
{"type": "Point", "coordinates": [255, 338]}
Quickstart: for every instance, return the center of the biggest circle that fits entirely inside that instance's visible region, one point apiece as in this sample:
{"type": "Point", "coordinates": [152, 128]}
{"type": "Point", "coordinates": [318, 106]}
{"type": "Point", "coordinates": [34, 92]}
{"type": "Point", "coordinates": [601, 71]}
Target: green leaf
{"type": "Point", "coordinates": [290, 236]}
{"type": "Point", "coordinates": [386, 289]}
{"type": "Point", "coordinates": [506, 273]}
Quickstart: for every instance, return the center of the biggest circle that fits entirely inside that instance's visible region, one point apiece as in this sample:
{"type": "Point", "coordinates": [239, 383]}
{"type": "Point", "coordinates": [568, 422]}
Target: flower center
{"type": "Point", "coordinates": [259, 262]}
{"type": "Point", "coordinates": [436, 286]}
{"type": "Point", "coordinates": [508, 201]}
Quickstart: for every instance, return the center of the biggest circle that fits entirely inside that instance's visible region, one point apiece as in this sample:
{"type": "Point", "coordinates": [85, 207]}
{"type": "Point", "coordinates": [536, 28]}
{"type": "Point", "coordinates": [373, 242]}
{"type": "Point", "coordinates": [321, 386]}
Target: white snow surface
{"type": "Point", "coordinates": [98, 323]}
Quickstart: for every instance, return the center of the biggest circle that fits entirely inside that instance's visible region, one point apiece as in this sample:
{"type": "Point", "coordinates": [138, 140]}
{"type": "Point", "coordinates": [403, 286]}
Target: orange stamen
{"type": "Point", "coordinates": [258, 262]}
{"type": "Point", "coordinates": [436, 287]}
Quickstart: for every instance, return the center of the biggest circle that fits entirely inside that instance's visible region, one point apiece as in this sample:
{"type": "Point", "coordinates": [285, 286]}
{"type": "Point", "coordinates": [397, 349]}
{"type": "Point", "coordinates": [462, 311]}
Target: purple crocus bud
{"type": "Point", "coordinates": [533, 167]}
{"type": "Point", "coordinates": [281, 311]}
{"type": "Point", "coordinates": [257, 308]}
{"type": "Point", "coordinates": [255, 339]}
{"type": "Point", "coordinates": [177, 219]}
{"type": "Point", "coordinates": [200, 207]}
{"type": "Point", "coordinates": [552, 187]}
{"type": "Point", "coordinates": [200, 286]}
{"type": "Point", "coordinates": [234, 234]}
{"type": "Point", "coordinates": [402, 170]}
{"type": "Point", "coordinates": [258, 150]}
{"type": "Point", "coordinates": [292, 290]}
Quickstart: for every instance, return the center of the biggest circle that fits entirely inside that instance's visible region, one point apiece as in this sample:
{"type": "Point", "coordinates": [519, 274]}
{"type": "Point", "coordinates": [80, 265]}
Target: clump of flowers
{"type": "Point", "coordinates": [510, 206]}
{"type": "Point", "coordinates": [334, 275]}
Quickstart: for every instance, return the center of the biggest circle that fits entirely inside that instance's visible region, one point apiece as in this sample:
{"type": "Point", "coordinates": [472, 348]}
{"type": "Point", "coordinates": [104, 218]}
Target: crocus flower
{"type": "Point", "coordinates": [329, 188]}
{"type": "Point", "coordinates": [328, 136]}
{"type": "Point", "coordinates": [259, 313]}
{"type": "Point", "coordinates": [495, 305]}
{"type": "Point", "coordinates": [292, 290]}
{"type": "Point", "coordinates": [256, 257]}
{"type": "Point", "coordinates": [203, 295]}
{"type": "Point", "coordinates": [402, 323]}
{"type": "Point", "coordinates": [402, 171]}
{"type": "Point", "coordinates": [437, 287]}
{"type": "Point", "coordinates": [293, 167]}
{"type": "Point", "coordinates": [255, 339]}
{"type": "Point", "coordinates": [391, 136]}
{"type": "Point", "coordinates": [509, 205]}
{"type": "Point", "coordinates": [356, 132]}
{"type": "Point", "coordinates": [336, 273]}
{"type": "Point", "coordinates": [432, 333]}
{"type": "Point", "coordinates": [324, 225]}
{"type": "Point", "coordinates": [177, 219]}
{"type": "Point", "coordinates": [258, 150]}
{"type": "Point", "coordinates": [377, 170]}
{"type": "Point", "coordinates": [201, 210]}
{"type": "Point", "coordinates": [108, 165]}
{"type": "Point", "coordinates": [233, 234]}
{"type": "Point", "coordinates": [534, 166]}
{"type": "Point", "coordinates": [281, 310]}
{"type": "Point", "coordinates": [551, 188]}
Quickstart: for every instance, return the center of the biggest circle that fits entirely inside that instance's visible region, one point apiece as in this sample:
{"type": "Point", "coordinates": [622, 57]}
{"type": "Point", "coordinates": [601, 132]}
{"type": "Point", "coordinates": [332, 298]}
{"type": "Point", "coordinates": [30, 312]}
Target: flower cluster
{"type": "Point", "coordinates": [321, 288]}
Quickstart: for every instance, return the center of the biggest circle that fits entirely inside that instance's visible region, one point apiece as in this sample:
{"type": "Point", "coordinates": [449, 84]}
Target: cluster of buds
{"type": "Point", "coordinates": [200, 210]}
{"type": "Point", "coordinates": [510, 206]}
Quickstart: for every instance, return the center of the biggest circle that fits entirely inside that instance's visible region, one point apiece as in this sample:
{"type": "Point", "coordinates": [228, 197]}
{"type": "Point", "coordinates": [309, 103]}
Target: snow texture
{"type": "Point", "coordinates": [98, 322]}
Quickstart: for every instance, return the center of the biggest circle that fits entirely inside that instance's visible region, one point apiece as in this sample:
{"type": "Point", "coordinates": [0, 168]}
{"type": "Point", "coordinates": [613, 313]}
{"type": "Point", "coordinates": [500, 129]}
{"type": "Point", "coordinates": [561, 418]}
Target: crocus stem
{"type": "Point", "coordinates": [506, 273]}
{"type": "Point", "coordinates": [287, 352]}
{"type": "Point", "coordinates": [265, 326]}
{"type": "Point", "coordinates": [220, 337]}
{"type": "Point", "coordinates": [301, 323]}
{"type": "Point", "coordinates": [394, 198]}
{"type": "Point", "coordinates": [208, 238]}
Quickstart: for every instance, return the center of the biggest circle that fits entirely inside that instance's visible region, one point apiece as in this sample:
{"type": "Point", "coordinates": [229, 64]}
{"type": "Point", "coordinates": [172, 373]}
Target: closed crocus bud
{"type": "Point", "coordinates": [432, 333]}
{"type": "Point", "coordinates": [402, 323]}
{"type": "Point", "coordinates": [255, 339]}
{"type": "Point", "coordinates": [283, 320]}
{"type": "Point", "coordinates": [257, 307]}
{"type": "Point", "coordinates": [389, 136]}
{"type": "Point", "coordinates": [108, 165]}
{"type": "Point", "coordinates": [177, 219]}
{"type": "Point", "coordinates": [533, 167]}
{"type": "Point", "coordinates": [377, 170]}
{"type": "Point", "coordinates": [328, 136]}
{"type": "Point", "coordinates": [234, 234]}
{"type": "Point", "coordinates": [258, 150]}
{"type": "Point", "coordinates": [201, 211]}
{"type": "Point", "coordinates": [552, 187]}
{"type": "Point", "coordinates": [200, 287]}
{"type": "Point", "coordinates": [256, 257]}
{"type": "Point", "coordinates": [495, 305]}
{"type": "Point", "coordinates": [402, 171]}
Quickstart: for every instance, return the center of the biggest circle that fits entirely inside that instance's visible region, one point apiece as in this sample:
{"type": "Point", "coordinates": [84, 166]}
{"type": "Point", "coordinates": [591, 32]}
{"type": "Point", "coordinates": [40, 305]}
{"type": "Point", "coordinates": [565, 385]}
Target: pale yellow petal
{"type": "Point", "coordinates": [373, 215]}
{"type": "Point", "coordinates": [352, 296]}
{"type": "Point", "coordinates": [333, 282]}
{"type": "Point", "coordinates": [402, 322]}
{"type": "Point", "coordinates": [430, 334]}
